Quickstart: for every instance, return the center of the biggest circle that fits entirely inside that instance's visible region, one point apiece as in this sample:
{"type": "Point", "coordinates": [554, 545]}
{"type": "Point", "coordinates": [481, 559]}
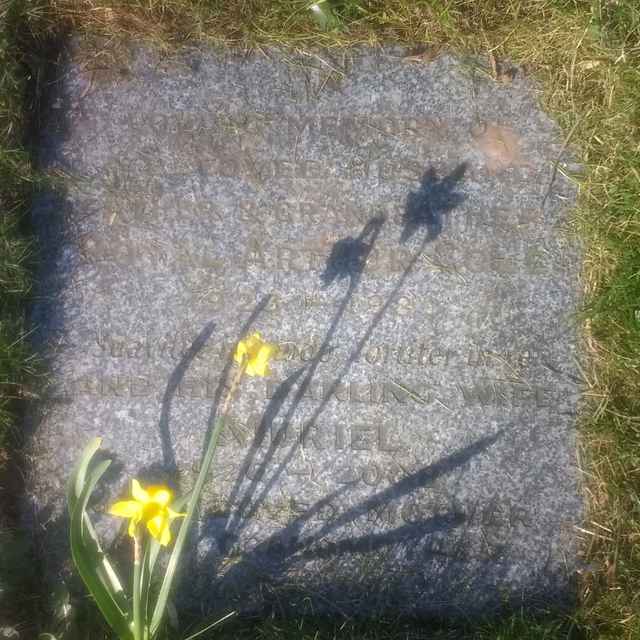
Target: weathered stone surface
{"type": "Point", "coordinates": [392, 225]}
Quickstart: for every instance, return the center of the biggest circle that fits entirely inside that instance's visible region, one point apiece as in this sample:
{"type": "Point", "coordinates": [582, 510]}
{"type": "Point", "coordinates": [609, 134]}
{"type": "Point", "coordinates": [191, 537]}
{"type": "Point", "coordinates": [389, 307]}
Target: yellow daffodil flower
{"type": "Point", "coordinates": [257, 353]}
{"type": "Point", "coordinates": [149, 506]}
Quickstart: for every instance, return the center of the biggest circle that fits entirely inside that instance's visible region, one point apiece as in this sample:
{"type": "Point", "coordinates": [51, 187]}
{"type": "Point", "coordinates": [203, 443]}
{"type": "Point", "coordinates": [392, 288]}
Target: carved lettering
{"type": "Point", "coordinates": [362, 437]}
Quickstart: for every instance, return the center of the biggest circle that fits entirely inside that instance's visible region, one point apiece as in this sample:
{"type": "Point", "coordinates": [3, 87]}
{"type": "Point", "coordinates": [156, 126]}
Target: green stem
{"type": "Point", "coordinates": [138, 622]}
{"type": "Point", "coordinates": [145, 584]}
{"type": "Point", "coordinates": [174, 560]}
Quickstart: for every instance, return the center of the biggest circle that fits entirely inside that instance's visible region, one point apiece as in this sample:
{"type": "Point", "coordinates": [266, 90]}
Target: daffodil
{"type": "Point", "coordinates": [257, 353]}
{"type": "Point", "coordinates": [149, 507]}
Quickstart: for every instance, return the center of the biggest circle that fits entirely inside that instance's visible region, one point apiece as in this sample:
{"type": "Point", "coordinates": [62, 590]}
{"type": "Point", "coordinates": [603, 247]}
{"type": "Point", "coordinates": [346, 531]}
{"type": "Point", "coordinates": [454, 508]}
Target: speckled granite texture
{"type": "Point", "coordinates": [393, 225]}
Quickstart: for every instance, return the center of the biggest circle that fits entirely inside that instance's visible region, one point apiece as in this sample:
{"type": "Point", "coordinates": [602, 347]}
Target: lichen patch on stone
{"type": "Point", "coordinates": [499, 146]}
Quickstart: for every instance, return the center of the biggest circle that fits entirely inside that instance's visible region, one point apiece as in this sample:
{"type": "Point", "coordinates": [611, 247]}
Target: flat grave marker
{"type": "Point", "coordinates": [395, 227]}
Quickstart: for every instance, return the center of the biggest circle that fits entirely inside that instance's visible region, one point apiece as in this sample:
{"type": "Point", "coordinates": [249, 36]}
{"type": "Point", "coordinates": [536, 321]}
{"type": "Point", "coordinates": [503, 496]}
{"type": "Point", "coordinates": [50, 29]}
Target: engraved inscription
{"type": "Point", "coordinates": [410, 446]}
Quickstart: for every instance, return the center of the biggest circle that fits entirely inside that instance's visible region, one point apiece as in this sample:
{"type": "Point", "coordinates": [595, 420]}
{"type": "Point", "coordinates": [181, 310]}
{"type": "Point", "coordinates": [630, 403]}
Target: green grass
{"type": "Point", "coordinates": [15, 246]}
{"type": "Point", "coordinates": [587, 57]}
{"type": "Point", "coordinates": [514, 628]}
{"type": "Point", "coordinates": [16, 362]}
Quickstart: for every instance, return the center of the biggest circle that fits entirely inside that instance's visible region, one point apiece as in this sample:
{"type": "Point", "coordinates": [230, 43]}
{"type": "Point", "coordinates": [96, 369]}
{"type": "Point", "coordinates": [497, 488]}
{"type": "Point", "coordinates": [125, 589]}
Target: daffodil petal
{"type": "Point", "coordinates": [165, 536]}
{"type": "Point", "coordinates": [157, 525]}
{"type": "Point", "coordinates": [138, 492]}
{"type": "Point", "coordinates": [246, 348]}
{"type": "Point", "coordinates": [160, 495]}
{"type": "Point", "coordinates": [126, 509]}
{"type": "Point", "coordinates": [260, 369]}
{"type": "Point", "coordinates": [241, 352]}
{"type": "Point", "coordinates": [133, 525]}
{"type": "Point", "coordinates": [261, 362]}
{"type": "Point", "coordinates": [256, 353]}
{"type": "Point", "coordinates": [150, 506]}
{"type": "Point", "coordinates": [253, 345]}
{"type": "Point", "coordinates": [267, 351]}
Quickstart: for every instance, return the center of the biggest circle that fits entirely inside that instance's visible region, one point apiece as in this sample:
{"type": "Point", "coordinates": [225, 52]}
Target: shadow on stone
{"type": "Point", "coordinates": [341, 264]}
{"type": "Point", "coordinates": [348, 259]}
{"type": "Point", "coordinates": [168, 456]}
{"type": "Point", "coordinates": [348, 256]}
{"type": "Point", "coordinates": [167, 470]}
{"type": "Point", "coordinates": [265, 567]}
{"type": "Point", "coordinates": [427, 206]}
{"type": "Point", "coordinates": [424, 209]}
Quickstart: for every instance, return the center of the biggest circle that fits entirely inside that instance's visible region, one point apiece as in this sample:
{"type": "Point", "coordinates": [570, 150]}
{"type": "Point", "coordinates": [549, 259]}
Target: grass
{"type": "Point", "coordinates": [16, 362]}
{"type": "Point", "coordinates": [15, 246]}
{"type": "Point", "coordinates": [515, 628]}
{"type": "Point", "coordinates": [587, 57]}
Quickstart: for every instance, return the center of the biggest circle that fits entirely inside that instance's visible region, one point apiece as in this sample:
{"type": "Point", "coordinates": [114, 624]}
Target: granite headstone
{"type": "Point", "coordinates": [398, 226]}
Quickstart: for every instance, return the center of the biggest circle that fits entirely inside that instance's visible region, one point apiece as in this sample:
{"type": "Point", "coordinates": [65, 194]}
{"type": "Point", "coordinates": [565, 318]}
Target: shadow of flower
{"type": "Point", "coordinates": [427, 206]}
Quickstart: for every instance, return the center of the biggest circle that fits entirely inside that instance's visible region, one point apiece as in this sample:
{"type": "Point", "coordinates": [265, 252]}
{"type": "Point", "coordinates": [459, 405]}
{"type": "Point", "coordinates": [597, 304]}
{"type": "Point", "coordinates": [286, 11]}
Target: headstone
{"type": "Point", "coordinates": [398, 226]}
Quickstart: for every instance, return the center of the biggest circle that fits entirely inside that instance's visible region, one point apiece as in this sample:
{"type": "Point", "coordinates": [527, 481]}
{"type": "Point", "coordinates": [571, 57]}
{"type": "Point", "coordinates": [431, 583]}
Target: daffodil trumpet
{"type": "Point", "coordinates": [149, 507]}
{"type": "Point", "coordinates": [254, 354]}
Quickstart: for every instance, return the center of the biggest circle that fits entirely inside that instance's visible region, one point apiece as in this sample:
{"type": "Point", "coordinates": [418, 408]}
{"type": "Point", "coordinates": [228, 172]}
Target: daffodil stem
{"type": "Point", "coordinates": [138, 622]}
{"type": "Point", "coordinates": [174, 560]}
{"type": "Point", "coordinates": [235, 383]}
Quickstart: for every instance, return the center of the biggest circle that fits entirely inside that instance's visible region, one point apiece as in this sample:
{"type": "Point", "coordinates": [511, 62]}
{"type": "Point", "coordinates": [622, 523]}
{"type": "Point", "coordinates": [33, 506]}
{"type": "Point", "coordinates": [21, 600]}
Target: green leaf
{"type": "Point", "coordinates": [86, 560]}
{"type": "Point", "coordinates": [106, 571]}
{"type": "Point", "coordinates": [154, 552]}
{"type": "Point", "coordinates": [78, 476]}
{"type": "Point", "coordinates": [139, 618]}
{"type": "Point", "coordinates": [145, 580]}
{"type": "Point", "coordinates": [75, 485]}
{"type": "Point", "coordinates": [176, 553]}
